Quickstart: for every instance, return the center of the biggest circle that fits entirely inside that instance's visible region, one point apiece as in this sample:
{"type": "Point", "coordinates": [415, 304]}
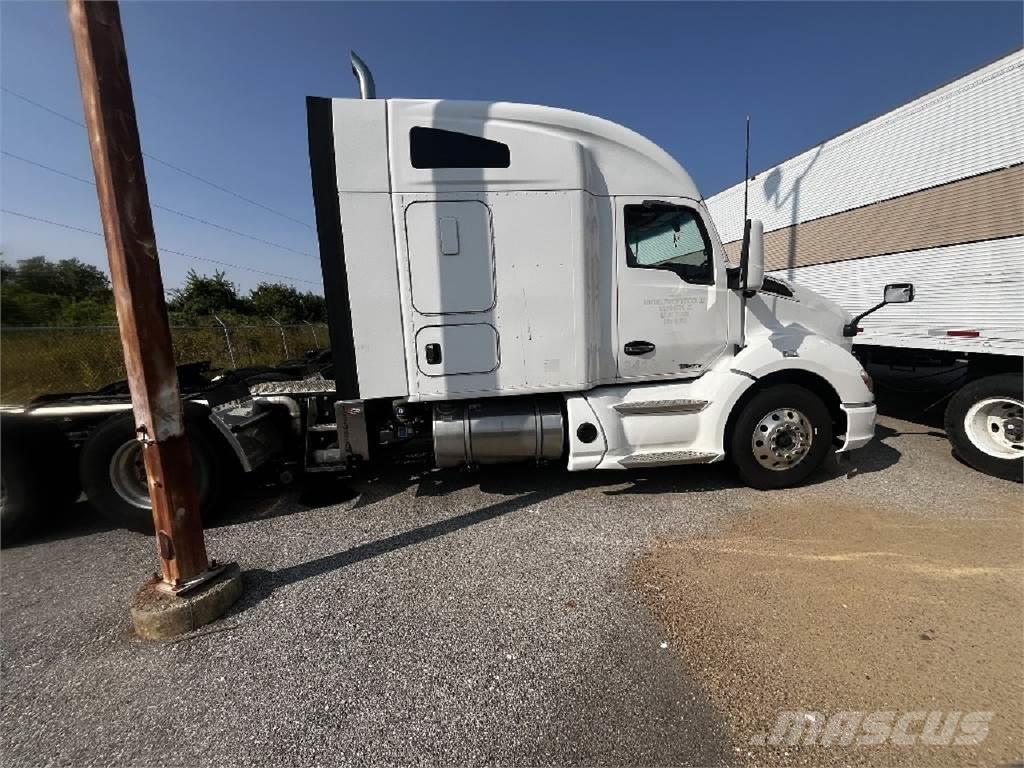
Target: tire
{"type": "Point", "coordinates": [984, 424]}
{"type": "Point", "coordinates": [114, 480]}
{"type": "Point", "coordinates": [794, 417]}
{"type": "Point", "coordinates": [22, 497]}
{"type": "Point", "coordinates": [37, 481]}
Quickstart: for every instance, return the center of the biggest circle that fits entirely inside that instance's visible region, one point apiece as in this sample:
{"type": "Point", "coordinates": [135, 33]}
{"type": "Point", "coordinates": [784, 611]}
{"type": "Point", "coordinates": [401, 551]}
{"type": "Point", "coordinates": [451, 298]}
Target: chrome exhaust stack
{"type": "Point", "coordinates": [367, 90]}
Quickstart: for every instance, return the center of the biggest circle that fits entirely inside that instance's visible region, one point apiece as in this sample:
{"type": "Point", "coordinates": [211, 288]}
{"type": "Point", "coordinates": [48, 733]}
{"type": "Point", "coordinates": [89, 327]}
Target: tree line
{"type": "Point", "coordinates": [38, 291]}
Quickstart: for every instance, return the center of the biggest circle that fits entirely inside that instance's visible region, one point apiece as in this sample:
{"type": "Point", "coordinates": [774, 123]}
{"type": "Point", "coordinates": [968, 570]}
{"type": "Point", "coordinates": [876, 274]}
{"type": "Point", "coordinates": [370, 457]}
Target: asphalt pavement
{"type": "Point", "coordinates": [451, 618]}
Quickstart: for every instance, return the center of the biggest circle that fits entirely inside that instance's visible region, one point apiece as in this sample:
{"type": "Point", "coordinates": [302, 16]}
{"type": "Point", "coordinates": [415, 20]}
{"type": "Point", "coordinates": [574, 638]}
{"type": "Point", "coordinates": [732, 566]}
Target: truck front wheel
{"type": "Point", "coordinates": [114, 475]}
{"type": "Point", "coordinates": [780, 437]}
{"type": "Point", "coordinates": [985, 424]}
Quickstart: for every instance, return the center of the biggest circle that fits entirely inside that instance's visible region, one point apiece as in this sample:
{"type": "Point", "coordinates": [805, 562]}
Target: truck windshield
{"type": "Point", "coordinates": [668, 238]}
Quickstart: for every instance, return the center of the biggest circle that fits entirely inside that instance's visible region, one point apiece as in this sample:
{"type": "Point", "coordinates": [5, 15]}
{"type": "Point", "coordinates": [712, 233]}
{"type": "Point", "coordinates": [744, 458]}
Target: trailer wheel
{"type": "Point", "coordinates": [114, 475]}
{"type": "Point", "coordinates": [780, 437]}
{"type": "Point", "coordinates": [985, 424]}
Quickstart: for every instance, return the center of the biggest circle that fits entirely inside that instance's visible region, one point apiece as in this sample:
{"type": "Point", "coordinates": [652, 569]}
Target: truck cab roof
{"type": "Point", "coordinates": [512, 146]}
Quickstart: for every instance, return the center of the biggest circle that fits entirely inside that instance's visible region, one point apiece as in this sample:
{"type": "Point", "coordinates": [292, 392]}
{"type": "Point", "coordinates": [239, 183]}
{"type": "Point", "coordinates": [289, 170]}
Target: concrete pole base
{"type": "Point", "coordinates": [158, 615]}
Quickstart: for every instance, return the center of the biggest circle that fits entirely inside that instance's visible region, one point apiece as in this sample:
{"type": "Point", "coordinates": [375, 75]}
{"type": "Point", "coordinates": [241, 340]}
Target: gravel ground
{"type": "Point", "coordinates": [449, 618]}
{"type": "Point", "coordinates": [425, 621]}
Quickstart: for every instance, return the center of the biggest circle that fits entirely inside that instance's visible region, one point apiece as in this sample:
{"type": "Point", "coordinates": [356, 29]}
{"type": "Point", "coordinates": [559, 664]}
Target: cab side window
{"type": "Point", "coordinates": [669, 237]}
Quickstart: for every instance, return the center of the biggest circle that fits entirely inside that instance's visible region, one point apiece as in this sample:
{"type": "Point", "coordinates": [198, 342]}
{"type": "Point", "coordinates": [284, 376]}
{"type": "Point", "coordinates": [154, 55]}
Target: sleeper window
{"type": "Point", "coordinates": [437, 148]}
{"type": "Point", "coordinates": [668, 237]}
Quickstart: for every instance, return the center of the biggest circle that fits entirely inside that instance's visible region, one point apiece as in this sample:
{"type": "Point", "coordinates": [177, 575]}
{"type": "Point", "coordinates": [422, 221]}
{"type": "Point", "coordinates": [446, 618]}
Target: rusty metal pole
{"type": "Point", "coordinates": [138, 289]}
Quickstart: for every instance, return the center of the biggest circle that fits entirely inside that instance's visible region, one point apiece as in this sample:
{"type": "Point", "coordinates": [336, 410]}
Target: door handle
{"type": "Point", "coordinates": [638, 347]}
{"type": "Point", "coordinates": [433, 354]}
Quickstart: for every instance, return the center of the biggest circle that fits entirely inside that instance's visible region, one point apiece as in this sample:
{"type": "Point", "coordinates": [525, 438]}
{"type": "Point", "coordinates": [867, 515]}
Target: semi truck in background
{"type": "Point", "coordinates": [505, 283]}
{"type": "Point", "coordinates": [931, 192]}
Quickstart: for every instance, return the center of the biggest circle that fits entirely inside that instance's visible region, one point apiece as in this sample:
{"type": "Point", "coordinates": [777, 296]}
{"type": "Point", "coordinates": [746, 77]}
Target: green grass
{"type": "Point", "coordinates": [36, 361]}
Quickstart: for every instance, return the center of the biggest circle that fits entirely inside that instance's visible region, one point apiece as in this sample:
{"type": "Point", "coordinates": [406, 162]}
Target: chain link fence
{"type": "Point", "coordinates": [39, 360]}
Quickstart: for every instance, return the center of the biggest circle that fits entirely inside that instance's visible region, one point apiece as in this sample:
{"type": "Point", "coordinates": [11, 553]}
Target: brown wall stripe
{"type": "Point", "coordinates": [982, 207]}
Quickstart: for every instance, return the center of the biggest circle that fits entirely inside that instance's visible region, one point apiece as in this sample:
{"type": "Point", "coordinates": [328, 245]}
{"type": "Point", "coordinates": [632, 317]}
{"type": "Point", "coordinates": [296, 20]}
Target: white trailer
{"type": "Point", "coordinates": [933, 193]}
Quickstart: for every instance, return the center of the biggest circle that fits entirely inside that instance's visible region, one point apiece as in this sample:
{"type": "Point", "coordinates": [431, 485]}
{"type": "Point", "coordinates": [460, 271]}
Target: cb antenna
{"type": "Point", "coordinates": [746, 170]}
{"type": "Point", "coordinates": [745, 249]}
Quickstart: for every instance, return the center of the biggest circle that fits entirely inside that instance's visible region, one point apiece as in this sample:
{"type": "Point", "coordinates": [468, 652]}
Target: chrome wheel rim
{"type": "Point", "coordinates": [782, 439]}
{"type": "Point", "coordinates": [995, 426]}
{"type": "Point", "coordinates": [128, 475]}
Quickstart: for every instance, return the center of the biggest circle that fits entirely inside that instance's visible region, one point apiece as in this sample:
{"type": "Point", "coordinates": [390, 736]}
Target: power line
{"type": "Point", "coordinates": [156, 159]}
{"type": "Point", "coordinates": [161, 250]}
{"type": "Point", "coordinates": [48, 168]}
{"type": "Point", "coordinates": [43, 107]}
{"type": "Point", "coordinates": [161, 207]}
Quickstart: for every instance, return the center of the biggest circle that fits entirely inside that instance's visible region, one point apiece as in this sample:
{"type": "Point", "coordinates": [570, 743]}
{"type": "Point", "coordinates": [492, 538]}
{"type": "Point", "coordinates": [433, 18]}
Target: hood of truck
{"type": "Point", "coordinates": [805, 308]}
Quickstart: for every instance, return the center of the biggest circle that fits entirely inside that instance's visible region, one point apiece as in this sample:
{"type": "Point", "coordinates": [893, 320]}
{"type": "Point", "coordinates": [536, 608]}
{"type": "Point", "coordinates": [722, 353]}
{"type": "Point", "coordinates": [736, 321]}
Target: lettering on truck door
{"type": "Point", "coordinates": [672, 320]}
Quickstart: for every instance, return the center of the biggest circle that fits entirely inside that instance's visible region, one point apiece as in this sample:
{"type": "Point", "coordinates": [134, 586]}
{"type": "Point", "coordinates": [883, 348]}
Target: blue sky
{"type": "Point", "coordinates": [220, 89]}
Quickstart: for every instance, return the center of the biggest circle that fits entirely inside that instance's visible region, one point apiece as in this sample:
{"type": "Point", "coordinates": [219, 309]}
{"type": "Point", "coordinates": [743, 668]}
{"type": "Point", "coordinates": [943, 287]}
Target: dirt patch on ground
{"type": "Point", "coordinates": [822, 606]}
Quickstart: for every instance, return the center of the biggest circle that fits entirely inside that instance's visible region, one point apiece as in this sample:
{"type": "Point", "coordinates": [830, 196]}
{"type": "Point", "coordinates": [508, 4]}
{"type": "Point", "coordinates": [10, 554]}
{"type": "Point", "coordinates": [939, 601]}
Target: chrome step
{"type": "Point", "coordinates": [664, 458]}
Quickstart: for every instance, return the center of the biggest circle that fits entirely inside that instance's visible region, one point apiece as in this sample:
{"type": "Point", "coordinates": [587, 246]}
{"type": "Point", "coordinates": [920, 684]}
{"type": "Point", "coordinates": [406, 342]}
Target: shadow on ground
{"type": "Point", "coordinates": [72, 521]}
{"type": "Point", "coordinates": [252, 499]}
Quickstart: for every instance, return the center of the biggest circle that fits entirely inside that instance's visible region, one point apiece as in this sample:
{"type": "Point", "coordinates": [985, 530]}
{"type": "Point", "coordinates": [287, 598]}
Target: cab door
{"type": "Point", "coordinates": [672, 319]}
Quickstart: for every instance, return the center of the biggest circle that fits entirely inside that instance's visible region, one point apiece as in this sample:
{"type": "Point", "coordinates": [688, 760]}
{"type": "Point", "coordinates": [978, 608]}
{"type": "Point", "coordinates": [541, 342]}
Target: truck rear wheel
{"type": "Point", "coordinates": [37, 481]}
{"type": "Point", "coordinates": [780, 437]}
{"type": "Point", "coordinates": [985, 424]}
{"type": "Point", "coordinates": [114, 475]}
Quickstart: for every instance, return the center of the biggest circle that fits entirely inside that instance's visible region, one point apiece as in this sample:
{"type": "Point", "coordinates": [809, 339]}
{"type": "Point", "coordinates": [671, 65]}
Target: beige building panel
{"type": "Point", "coordinates": [979, 208]}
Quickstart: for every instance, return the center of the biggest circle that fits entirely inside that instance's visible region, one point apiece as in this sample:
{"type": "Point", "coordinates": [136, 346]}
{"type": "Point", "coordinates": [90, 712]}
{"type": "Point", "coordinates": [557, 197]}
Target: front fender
{"type": "Point", "coordinates": [807, 352]}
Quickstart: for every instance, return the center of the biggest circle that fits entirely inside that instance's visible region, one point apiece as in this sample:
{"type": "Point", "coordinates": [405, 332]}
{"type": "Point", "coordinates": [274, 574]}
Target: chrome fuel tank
{"type": "Point", "coordinates": [498, 431]}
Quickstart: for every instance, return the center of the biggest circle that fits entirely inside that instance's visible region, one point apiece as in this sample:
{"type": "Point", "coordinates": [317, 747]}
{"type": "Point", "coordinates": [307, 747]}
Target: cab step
{"type": "Point", "coordinates": [666, 458]}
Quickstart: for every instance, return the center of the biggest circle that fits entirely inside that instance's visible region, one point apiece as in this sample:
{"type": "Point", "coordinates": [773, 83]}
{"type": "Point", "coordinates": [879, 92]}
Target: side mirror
{"type": "Point", "coordinates": [752, 256]}
{"type": "Point", "coordinates": [895, 293]}
{"type": "Point", "coordinates": [898, 293]}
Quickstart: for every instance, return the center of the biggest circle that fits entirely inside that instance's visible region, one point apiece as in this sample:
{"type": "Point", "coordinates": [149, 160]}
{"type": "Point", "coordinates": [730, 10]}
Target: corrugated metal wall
{"type": "Point", "coordinates": [971, 126]}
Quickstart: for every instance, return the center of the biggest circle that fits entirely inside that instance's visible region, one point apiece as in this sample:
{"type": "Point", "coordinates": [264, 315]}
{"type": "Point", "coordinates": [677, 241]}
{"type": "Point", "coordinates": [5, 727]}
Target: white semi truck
{"type": "Point", "coordinates": [517, 283]}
